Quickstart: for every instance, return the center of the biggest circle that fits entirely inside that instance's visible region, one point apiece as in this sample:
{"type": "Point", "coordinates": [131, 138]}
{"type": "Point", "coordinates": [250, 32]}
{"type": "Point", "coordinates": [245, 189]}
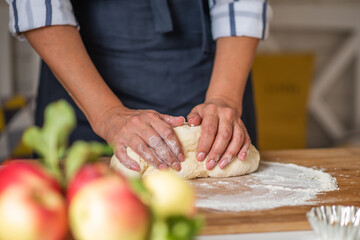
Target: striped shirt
{"type": "Point", "coordinates": [228, 17]}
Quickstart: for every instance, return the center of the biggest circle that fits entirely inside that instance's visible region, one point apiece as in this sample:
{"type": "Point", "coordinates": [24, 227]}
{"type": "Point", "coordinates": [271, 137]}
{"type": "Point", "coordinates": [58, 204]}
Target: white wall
{"type": "Point", "coordinates": [19, 70]}
{"type": "Point", "coordinates": [328, 28]}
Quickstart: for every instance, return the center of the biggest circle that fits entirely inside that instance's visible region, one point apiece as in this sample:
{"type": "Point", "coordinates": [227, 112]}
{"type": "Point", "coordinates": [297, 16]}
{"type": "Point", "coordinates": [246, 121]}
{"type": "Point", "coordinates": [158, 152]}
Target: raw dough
{"type": "Point", "coordinates": [191, 168]}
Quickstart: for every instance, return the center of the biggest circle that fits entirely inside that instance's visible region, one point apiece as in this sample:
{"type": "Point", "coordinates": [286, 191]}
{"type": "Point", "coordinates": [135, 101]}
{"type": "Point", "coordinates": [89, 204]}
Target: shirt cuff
{"type": "Point", "coordinates": [241, 18]}
{"type": "Point", "coordinates": [26, 15]}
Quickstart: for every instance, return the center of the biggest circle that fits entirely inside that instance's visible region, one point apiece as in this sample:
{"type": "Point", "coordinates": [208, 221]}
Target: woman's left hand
{"type": "Point", "coordinates": [223, 134]}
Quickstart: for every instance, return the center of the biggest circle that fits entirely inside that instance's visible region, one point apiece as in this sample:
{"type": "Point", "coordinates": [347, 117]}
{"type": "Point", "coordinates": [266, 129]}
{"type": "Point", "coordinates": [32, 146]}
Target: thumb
{"type": "Point", "coordinates": [173, 121]}
{"type": "Point", "coordinates": [194, 118]}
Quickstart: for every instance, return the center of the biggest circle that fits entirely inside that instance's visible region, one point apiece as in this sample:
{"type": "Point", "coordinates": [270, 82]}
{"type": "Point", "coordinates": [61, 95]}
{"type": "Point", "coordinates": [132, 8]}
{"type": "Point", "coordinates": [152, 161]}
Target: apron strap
{"type": "Point", "coordinates": [162, 16]}
{"type": "Point", "coordinates": [205, 24]}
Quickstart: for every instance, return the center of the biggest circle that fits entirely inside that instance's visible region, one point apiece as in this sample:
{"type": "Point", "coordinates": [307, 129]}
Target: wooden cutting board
{"type": "Point", "coordinates": [341, 163]}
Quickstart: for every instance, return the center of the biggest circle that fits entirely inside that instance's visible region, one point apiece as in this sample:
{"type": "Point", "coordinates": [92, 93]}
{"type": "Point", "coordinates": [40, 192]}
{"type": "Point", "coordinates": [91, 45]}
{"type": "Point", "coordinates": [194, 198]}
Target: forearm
{"type": "Point", "coordinates": [61, 47]}
{"type": "Point", "coordinates": [233, 61]}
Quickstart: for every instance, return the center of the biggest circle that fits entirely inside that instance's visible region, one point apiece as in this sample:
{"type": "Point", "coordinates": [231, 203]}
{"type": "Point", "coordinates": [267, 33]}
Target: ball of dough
{"type": "Point", "coordinates": [191, 168]}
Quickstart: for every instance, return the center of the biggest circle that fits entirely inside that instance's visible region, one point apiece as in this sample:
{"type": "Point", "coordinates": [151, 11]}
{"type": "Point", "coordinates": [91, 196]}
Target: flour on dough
{"type": "Point", "coordinates": [191, 168]}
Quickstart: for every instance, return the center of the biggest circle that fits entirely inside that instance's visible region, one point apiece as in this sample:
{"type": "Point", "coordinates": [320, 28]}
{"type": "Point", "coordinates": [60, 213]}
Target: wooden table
{"type": "Point", "coordinates": [341, 163]}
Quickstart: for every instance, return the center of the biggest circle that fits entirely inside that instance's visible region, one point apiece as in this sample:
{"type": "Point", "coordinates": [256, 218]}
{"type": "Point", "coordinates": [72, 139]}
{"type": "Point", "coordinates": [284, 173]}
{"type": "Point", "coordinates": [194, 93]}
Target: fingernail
{"type": "Point", "coordinates": [210, 165]}
{"type": "Point", "coordinates": [181, 157]}
{"type": "Point", "coordinates": [242, 156]}
{"type": "Point", "coordinates": [176, 166]}
{"type": "Point", "coordinates": [201, 156]}
{"type": "Point", "coordinates": [135, 167]}
{"type": "Point", "coordinates": [163, 166]}
{"type": "Point", "coordinates": [223, 163]}
{"type": "Point", "coordinates": [191, 123]}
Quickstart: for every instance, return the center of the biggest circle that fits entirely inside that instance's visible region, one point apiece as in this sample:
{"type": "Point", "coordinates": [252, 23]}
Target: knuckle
{"type": "Point", "coordinates": [118, 155]}
{"type": "Point", "coordinates": [225, 134]}
{"type": "Point", "coordinates": [152, 161]}
{"type": "Point", "coordinates": [241, 136]}
{"type": "Point", "coordinates": [154, 141]}
{"type": "Point", "coordinates": [169, 133]}
{"type": "Point", "coordinates": [233, 152]}
{"type": "Point", "coordinates": [164, 154]}
{"type": "Point", "coordinates": [122, 131]}
{"type": "Point", "coordinates": [133, 142]}
{"type": "Point", "coordinates": [211, 107]}
{"type": "Point", "coordinates": [216, 157]}
{"type": "Point", "coordinates": [156, 162]}
{"type": "Point", "coordinates": [136, 120]}
{"type": "Point", "coordinates": [119, 149]}
{"type": "Point", "coordinates": [234, 149]}
{"type": "Point", "coordinates": [229, 113]}
{"type": "Point", "coordinates": [210, 129]}
{"type": "Point", "coordinates": [117, 137]}
{"type": "Point", "coordinates": [192, 113]}
{"type": "Point", "coordinates": [140, 147]}
{"type": "Point", "coordinates": [151, 114]}
{"type": "Point", "coordinates": [123, 159]}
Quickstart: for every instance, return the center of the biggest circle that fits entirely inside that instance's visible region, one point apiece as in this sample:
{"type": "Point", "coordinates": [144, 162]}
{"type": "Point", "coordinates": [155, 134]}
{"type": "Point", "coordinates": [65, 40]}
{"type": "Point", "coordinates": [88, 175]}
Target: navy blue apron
{"type": "Point", "coordinates": [153, 54]}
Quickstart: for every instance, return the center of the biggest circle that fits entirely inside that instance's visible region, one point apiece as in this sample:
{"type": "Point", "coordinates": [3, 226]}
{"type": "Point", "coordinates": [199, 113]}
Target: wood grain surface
{"type": "Point", "coordinates": [341, 163]}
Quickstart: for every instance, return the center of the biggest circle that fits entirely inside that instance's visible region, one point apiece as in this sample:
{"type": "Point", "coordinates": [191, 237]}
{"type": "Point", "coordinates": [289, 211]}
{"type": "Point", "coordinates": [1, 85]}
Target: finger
{"type": "Point", "coordinates": [168, 134]}
{"type": "Point", "coordinates": [173, 121]}
{"type": "Point", "coordinates": [120, 153]}
{"type": "Point", "coordinates": [209, 128]}
{"type": "Point", "coordinates": [244, 151]}
{"type": "Point", "coordinates": [234, 147]}
{"type": "Point", "coordinates": [141, 148]}
{"type": "Point", "coordinates": [220, 144]}
{"type": "Point", "coordinates": [194, 118]}
{"type": "Point", "coordinates": [163, 153]}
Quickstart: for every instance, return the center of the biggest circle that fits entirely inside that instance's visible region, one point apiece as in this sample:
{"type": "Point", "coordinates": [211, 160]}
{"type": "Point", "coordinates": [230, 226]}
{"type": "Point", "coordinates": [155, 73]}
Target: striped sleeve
{"type": "Point", "coordinates": [240, 18]}
{"type": "Point", "coordinates": [31, 14]}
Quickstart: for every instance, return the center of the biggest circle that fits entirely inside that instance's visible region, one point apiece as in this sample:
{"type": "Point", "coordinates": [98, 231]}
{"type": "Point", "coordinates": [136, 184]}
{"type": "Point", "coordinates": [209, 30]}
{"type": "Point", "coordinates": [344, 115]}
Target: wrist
{"type": "Point", "coordinates": [103, 119]}
{"type": "Point", "coordinates": [222, 100]}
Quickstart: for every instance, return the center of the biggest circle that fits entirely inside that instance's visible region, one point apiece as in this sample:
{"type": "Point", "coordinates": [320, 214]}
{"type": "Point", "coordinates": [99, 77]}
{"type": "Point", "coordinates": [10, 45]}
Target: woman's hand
{"type": "Point", "coordinates": [223, 134]}
{"type": "Point", "coordinates": [146, 132]}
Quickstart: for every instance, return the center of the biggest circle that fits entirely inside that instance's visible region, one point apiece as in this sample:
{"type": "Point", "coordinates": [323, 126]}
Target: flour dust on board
{"type": "Point", "coordinates": [272, 185]}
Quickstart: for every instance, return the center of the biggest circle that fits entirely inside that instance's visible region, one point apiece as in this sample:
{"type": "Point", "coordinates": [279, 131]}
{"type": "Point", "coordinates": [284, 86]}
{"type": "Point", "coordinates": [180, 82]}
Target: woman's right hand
{"type": "Point", "coordinates": [147, 132]}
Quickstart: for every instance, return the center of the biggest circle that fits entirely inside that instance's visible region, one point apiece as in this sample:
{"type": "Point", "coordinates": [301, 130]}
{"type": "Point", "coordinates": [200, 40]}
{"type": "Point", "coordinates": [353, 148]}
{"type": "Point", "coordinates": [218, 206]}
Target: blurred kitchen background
{"type": "Point", "coordinates": [306, 75]}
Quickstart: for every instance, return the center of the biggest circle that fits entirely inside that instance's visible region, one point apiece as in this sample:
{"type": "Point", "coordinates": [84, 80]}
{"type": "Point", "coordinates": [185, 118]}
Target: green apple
{"type": "Point", "coordinates": [171, 195]}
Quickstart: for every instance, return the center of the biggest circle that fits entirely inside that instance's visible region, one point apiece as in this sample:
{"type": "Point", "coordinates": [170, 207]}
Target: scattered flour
{"type": "Point", "coordinates": [272, 185]}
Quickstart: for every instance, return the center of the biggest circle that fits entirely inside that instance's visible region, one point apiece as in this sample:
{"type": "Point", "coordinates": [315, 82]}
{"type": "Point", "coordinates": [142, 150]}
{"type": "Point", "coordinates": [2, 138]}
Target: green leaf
{"type": "Point", "coordinates": [159, 230]}
{"type": "Point", "coordinates": [184, 228]}
{"type": "Point", "coordinates": [51, 140]}
{"type": "Point", "coordinates": [82, 152]}
{"type": "Point", "coordinates": [176, 228]}
{"type": "Point", "coordinates": [33, 139]}
{"type": "Point", "coordinates": [58, 124]}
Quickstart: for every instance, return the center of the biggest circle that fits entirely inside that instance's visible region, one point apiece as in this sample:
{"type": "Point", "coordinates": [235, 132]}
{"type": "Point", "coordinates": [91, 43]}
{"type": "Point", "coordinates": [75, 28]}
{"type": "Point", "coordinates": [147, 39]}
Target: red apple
{"type": "Point", "coordinates": [85, 175]}
{"type": "Point", "coordinates": [25, 172]}
{"type": "Point", "coordinates": [106, 208]}
{"type": "Point", "coordinates": [31, 205]}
